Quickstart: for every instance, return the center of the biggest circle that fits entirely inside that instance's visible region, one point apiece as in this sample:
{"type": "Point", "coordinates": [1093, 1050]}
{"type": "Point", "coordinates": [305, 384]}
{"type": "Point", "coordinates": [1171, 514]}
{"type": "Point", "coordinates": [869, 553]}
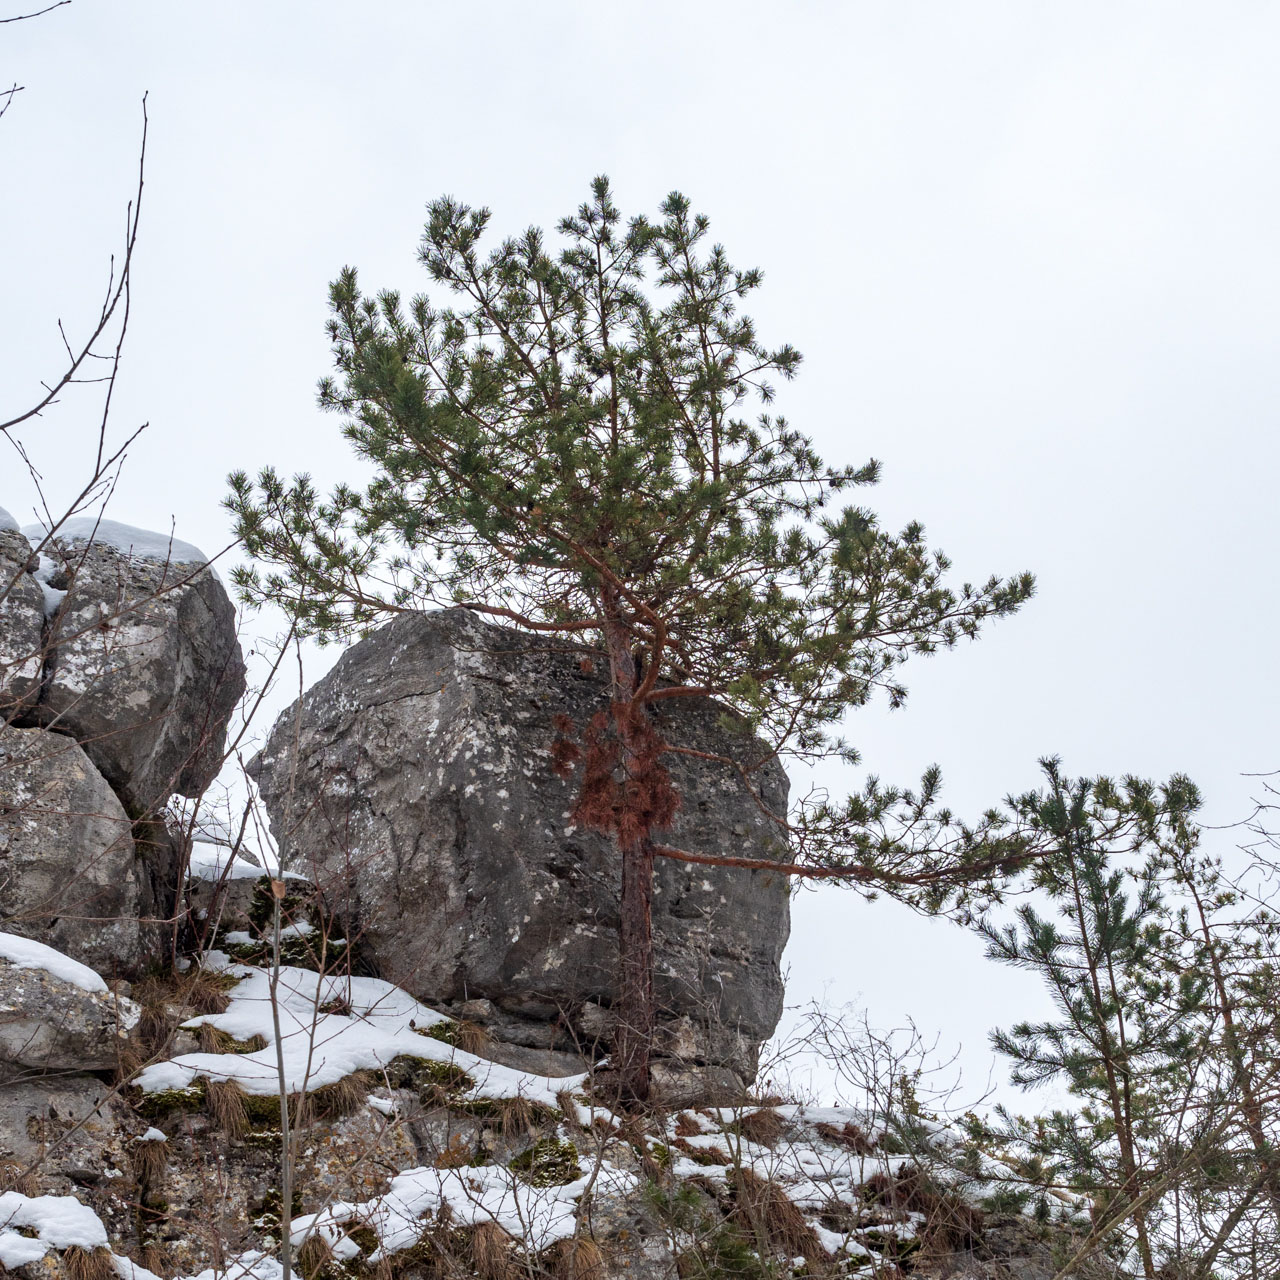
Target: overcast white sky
{"type": "Point", "coordinates": [1028, 251]}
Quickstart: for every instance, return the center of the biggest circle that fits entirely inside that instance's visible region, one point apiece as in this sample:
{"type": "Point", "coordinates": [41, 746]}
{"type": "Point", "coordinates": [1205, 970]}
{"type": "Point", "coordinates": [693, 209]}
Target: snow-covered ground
{"type": "Point", "coordinates": [333, 1026]}
{"type": "Point", "coordinates": [321, 1048]}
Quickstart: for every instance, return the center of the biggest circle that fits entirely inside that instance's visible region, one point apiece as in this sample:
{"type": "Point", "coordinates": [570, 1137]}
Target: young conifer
{"type": "Point", "coordinates": [583, 444]}
{"type": "Point", "coordinates": [1164, 978]}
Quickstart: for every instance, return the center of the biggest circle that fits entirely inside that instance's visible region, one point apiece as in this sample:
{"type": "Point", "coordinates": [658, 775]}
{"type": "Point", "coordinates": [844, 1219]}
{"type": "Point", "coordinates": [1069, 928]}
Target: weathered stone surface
{"type": "Point", "coordinates": [48, 1024]}
{"type": "Point", "coordinates": [422, 800]}
{"type": "Point", "coordinates": [72, 1117]}
{"type": "Point", "coordinates": [145, 669]}
{"type": "Point", "coordinates": [70, 875]}
{"type": "Point", "coordinates": [21, 627]}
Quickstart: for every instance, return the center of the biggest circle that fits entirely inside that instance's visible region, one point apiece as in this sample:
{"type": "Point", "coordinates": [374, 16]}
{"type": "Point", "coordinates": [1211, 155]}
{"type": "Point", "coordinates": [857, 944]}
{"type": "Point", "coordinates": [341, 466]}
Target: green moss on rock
{"type": "Point", "coordinates": [162, 1102]}
{"type": "Point", "coordinates": [548, 1163]}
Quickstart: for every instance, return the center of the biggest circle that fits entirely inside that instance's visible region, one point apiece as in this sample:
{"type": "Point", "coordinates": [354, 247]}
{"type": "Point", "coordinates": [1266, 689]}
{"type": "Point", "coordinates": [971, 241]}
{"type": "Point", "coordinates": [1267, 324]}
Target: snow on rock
{"type": "Point", "coordinates": [216, 862]}
{"type": "Point", "coordinates": [24, 953]}
{"type": "Point", "coordinates": [58, 1221]}
{"type": "Point", "coordinates": [153, 1135]}
{"type": "Point", "coordinates": [141, 544]}
{"type": "Point", "coordinates": [7, 523]}
{"type": "Point", "coordinates": [146, 667]}
{"type": "Point", "coordinates": [63, 1222]}
{"type": "Point", "coordinates": [44, 572]}
{"type": "Point", "coordinates": [253, 1265]}
{"type": "Point", "coordinates": [538, 1216]}
{"type": "Point", "coordinates": [56, 1014]}
{"type": "Point", "coordinates": [321, 1048]}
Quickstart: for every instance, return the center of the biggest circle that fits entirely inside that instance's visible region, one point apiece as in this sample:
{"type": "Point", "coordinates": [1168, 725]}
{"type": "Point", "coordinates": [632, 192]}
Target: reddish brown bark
{"type": "Point", "coordinates": [626, 792]}
{"type": "Point", "coordinates": [633, 1040]}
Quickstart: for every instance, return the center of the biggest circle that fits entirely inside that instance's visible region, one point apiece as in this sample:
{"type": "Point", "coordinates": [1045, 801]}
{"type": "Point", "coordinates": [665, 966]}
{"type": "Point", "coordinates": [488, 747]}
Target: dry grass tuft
{"type": "Point", "coordinates": [518, 1116]}
{"type": "Point", "coordinates": [949, 1223]}
{"type": "Point", "coordinates": [17, 1177]}
{"type": "Point", "coordinates": [207, 992]}
{"type": "Point", "coordinates": [687, 1126]}
{"type": "Point", "coordinates": [215, 1040]}
{"type": "Point", "coordinates": [568, 1105]}
{"type": "Point", "coordinates": [149, 1160]}
{"type": "Point", "coordinates": [578, 1258]}
{"type": "Point", "coordinates": [850, 1136]}
{"type": "Point", "coordinates": [492, 1252]}
{"type": "Point", "coordinates": [159, 1017]}
{"type": "Point", "coordinates": [471, 1037]}
{"type": "Point", "coordinates": [89, 1264]}
{"type": "Point", "coordinates": [702, 1155]}
{"type": "Point", "coordinates": [767, 1209]}
{"type": "Point", "coordinates": [314, 1254]}
{"type": "Point", "coordinates": [343, 1097]}
{"type": "Point", "coordinates": [762, 1127]}
{"type": "Point", "coordinates": [225, 1102]}
{"type": "Point", "coordinates": [131, 1057]}
{"type": "Point", "coordinates": [156, 1259]}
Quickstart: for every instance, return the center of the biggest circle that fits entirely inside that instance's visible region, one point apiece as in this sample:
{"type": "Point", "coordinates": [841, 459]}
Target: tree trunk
{"type": "Point", "coordinates": [633, 1039]}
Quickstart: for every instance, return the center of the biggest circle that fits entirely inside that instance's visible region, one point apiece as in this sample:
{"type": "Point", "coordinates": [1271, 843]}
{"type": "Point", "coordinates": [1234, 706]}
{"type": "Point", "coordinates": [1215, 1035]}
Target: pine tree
{"type": "Point", "coordinates": [583, 445]}
{"type": "Point", "coordinates": [1166, 995]}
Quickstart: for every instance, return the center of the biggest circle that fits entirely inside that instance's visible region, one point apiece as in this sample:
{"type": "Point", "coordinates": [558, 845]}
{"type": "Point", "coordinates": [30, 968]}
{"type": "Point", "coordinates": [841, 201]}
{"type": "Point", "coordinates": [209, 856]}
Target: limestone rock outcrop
{"type": "Point", "coordinates": [70, 874]}
{"type": "Point", "coordinates": [21, 627]}
{"type": "Point", "coordinates": [119, 671]}
{"type": "Point", "coordinates": [50, 1024]}
{"type": "Point", "coordinates": [145, 669]}
{"type": "Point", "coordinates": [415, 786]}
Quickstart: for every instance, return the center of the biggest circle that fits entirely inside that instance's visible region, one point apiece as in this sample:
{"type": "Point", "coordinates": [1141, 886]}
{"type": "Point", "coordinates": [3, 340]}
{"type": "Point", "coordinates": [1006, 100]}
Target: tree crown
{"type": "Point", "coordinates": [585, 439]}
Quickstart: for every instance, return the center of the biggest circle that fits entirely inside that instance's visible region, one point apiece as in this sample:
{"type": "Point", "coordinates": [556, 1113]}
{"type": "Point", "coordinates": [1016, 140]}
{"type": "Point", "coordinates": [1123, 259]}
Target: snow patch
{"type": "Point", "coordinates": [538, 1216]}
{"type": "Point", "coordinates": [216, 862]}
{"type": "Point", "coordinates": [141, 544]}
{"type": "Point", "coordinates": [23, 953]}
{"type": "Point", "coordinates": [43, 574]}
{"type": "Point", "coordinates": [323, 1048]}
{"type": "Point", "coordinates": [58, 1221]}
{"type": "Point", "coordinates": [7, 523]}
{"type": "Point", "coordinates": [253, 1265]}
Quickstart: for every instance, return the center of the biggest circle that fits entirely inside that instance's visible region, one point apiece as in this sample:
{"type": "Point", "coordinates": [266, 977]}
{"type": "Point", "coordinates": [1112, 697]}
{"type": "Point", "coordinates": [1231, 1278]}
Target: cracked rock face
{"type": "Point", "coordinates": [144, 670]}
{"type": "Point", "coordinates": [21, 627]}
{"type": "Point", "coordinates": [49, 1024]}
{"type": "Point", "coordinates": [421, 798]}
{"type": "Point", "coordinates": [70, 876]}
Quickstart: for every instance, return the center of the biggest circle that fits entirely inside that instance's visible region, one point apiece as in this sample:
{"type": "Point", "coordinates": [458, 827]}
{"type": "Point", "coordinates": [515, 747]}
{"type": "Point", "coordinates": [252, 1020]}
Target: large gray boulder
{"type": "Point", "coordinates": [70, 875]}
{"type": "Point", "coordinates": [415, 786]}
{"type": "Point", "coordinates": [145, 668]}
{"type": "Point", "coordinates": [51, 1019]}
{"type": "Point", "coordinates": [21, 626]}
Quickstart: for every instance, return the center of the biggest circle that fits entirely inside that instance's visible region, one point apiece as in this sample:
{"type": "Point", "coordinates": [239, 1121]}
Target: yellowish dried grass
{"type": "Point", "coordinates": [492, 1252]}
{"type": "Point", "coordinates": [89, 1264]}
{"type": "Point", "coordinates": [225, 1103]}
{"type": "Point", "coordinates": [578, 1258]}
